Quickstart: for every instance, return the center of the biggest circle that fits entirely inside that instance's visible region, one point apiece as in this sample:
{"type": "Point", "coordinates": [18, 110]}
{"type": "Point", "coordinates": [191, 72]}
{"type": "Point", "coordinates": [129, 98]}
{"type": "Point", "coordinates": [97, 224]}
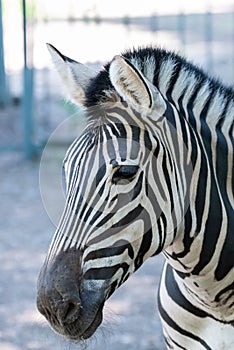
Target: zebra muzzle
{"type": "Point", "coordinates": [71, 310]}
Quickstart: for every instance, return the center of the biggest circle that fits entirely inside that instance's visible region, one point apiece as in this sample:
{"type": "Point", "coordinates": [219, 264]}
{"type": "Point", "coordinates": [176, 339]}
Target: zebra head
{"type": "Point", "coordinates": [123, 203]}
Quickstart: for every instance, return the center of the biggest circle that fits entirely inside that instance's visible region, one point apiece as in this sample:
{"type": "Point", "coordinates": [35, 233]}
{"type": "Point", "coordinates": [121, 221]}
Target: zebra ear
{"type": "Point", "coordinates": [134, 88]}
{"type": "Point", "coordinates": [75, 75]}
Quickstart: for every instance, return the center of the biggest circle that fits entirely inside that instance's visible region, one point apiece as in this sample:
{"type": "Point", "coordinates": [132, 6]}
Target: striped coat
{"type": "Point", "coordinates": [152, 172]}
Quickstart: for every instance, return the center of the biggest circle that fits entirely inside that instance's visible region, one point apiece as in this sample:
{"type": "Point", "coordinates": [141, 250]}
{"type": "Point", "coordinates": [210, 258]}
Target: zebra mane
{"type": "Point", "coordinates": [151, 62]}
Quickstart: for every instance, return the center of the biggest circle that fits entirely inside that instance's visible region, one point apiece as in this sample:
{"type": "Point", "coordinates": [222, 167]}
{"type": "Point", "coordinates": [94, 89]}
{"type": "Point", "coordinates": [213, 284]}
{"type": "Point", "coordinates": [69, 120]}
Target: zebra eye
{"type": "Point", "coordinates": [125, 172]}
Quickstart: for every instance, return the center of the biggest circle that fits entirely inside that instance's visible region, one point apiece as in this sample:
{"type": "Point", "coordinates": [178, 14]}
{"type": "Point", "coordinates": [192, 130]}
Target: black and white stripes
{"type": "Point", "coordinates": [153, 172]}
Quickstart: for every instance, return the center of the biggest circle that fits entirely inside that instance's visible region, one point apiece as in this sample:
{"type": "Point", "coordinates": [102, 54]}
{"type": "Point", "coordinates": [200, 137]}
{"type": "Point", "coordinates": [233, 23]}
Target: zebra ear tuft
{"type": "Point", "coordinates": [74, 75]}
{"type": "Point", "coordinates": [134, 88]}
{"type": "Point", "coordinates": [129, 82]}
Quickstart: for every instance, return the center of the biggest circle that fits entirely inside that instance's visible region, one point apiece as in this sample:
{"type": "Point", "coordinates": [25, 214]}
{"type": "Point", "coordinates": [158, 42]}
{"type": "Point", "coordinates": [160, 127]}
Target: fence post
{"type": "Point", "coordinates": [27, 107]}
{"type": "Point", "coordinates": [208, 39]}
{"type": "Point", "coordinates": [4, 93]}
{"type": "Point", "coordinates": [233, 41]}
{"type": "Point", "coordinates": [154, 22]}
{"type": "Point", "coordinates": [182, 28]}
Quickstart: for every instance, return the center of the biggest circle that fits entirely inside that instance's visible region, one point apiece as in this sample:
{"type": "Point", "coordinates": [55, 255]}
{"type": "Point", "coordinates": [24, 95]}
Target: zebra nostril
{"type": "Point", "coordinates": [69, 310]}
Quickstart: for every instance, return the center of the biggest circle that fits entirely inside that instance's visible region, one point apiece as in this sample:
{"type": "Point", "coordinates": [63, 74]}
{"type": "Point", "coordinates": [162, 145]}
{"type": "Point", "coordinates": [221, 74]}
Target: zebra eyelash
{"type": "Point", "coordinates": [125, 172]}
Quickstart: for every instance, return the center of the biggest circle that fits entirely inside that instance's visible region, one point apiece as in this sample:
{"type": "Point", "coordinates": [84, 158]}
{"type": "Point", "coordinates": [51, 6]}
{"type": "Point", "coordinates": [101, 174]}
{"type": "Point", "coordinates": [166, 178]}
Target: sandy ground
{"type": "Point", "coordinates": [131, 320]}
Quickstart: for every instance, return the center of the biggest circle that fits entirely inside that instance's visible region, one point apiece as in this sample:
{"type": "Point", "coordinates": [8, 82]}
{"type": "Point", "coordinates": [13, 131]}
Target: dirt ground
{"type": "Point", "coordinates": [130, 321]}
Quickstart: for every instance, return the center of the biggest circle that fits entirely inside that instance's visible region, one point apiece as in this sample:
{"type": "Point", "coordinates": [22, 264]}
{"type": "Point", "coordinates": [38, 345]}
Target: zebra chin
{"type": "Point", "coordinates": [77, 331]}
{"type": "Point", "coordinates": [72, 305]}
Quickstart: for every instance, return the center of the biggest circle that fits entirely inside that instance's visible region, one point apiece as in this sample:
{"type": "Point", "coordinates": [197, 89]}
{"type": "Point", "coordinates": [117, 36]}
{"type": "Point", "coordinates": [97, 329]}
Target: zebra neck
{"type": "Point", "coordinates": [205, 103]}
{"type": "Point", "coordinates": [204, 111]}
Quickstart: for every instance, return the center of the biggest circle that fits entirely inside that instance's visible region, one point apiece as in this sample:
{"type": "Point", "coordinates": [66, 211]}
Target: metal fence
{"type": "Point", "coordinates": [206, 38]}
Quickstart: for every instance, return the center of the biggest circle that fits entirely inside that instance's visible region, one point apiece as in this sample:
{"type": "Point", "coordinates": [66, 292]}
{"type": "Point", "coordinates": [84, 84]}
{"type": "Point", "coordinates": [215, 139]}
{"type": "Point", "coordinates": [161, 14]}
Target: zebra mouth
{"type": "Point", "coordinates": [82, 328]}
{"type": "Point", "coordinates": [93, 326]}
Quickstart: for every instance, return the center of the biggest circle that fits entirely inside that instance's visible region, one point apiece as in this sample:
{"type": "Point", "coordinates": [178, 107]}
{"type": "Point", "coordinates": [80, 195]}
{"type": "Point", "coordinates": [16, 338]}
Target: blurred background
{"type": "Point", "coordinates": [32, 109]}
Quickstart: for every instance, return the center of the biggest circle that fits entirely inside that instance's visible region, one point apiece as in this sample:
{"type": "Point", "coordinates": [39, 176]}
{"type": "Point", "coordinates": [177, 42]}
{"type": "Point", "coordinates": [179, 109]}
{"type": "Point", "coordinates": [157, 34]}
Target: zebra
{"type": "Point", "coordinates": [151, 173]}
